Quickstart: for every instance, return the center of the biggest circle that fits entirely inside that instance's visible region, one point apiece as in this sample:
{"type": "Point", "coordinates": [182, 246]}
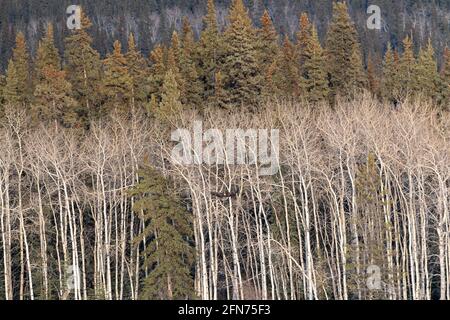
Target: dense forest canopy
{"type": "Point", "coordinates": [153, 21]}
{"type": "Point", "coordinates": [93, 204]}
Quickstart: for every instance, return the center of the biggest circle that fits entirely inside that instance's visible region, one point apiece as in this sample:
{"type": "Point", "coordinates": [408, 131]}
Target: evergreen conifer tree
{"type": "Point", "coordinates": [267, 51]}
{"type": "Point", "coordinates": [390, 83]}
{"type": "Point", "coordinates": [53, 101]}
{"type": "Point", "coordinates": [427, 72]}
{"type": "Point", "coordinates": [287, 78]}
{"type": "Point", "coordinates": [138, 71]}
{"type": "Point", "coordinates": [193, 89]}
{"type": "Point", "coordinates": [170, 105]}
{"type": "Point", "coordinates": [18, 87]}
{"type": "Point", "coordinates": [173, 63]}
{"type": "Point", "coordinates": [168, 231]}
{"type": "Point", "coordinates": [343, 53]}
{"type": "Point", "coordinates": [210, 49]}
{"type": "Point", "coordinates": [315, 82]}
{"type": "Point", "coordinates": [369, 220]}
{"type": "Point", "coordinates": [220, 97]}
{"type": "Point", "coordinates": [83, 67]}
{"type": "Point", "coordinates": [444, 90]}
{"type": "Point", "coordinates": [303, 39]}
{"type": "Point", "coordinates": [47, 54]}
{"type": "Point", "coordinates": [157, 73]}
{"type": "Point", "coordinates": [12, 89]}
{"type": "Point", "coordinates": [117, 80]}
{"type": "Point", "coordinates": [372, 78]}
{"type": "Point", "coordinates": [407, 70]}
{"type": "Point", "coordinates": [242, 74]}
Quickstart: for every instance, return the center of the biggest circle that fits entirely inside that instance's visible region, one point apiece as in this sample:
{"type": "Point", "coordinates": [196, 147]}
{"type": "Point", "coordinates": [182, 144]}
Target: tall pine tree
{"type": "Point", "coordinates": [170, 105]}
{"type": "Point", "coordinates": [12, 92]}
{"type": "Point", "coordinates": [18, 81]}
{"type": "Point", "coordinates": [84, 70]}
{"type": "Point", "coordinates": [427, 72]}
{"type": "Point", "coordinates": [315, 82]}
{"type": "Point", "coordinates": [444, 96]}
{"type": "Point", "coordinates": [156, 75]}
{"type": "Point", "coordinates": [343, 53]}
{"type": "Point", "coordinates": [168, 231]}
{"type": "Point", "coordinates": [47, 54]}
{"type": "Point", "coordinates": [287, 73]}
{"type": "Point", "coordinates": [267, 52]}
{"type": "Point", "coordinates": [242, 74]}
{"type": "Point", "coordinates": [192, 92]}
{"type": "Point", "coordinates": [117, 80]}
{"type": "Point", "coordinates": [138, 71]}
{"type": "Point", "coordinates": [372, 79]}
{"type": "Point", "coordinates": [407, 70]}
{"type": "Point", "coordinates": [52, 93]}
{"type": "Point", "coordinates": [390, 88]}
{"type": "Point", "coordinates": [210, 49]}
{"type": "Point", "coordinates": [303, 39]}
{"type": "Point", "coordinates": [173, 62]}
{"type": "Point", "coordinates": [53, 101]}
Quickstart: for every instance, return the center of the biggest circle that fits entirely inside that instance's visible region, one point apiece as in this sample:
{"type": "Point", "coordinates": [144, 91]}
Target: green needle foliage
{"type": "Point", "coordinates": [315, 82]}
{"type": "Point", "coordinates": [344, 54]}
{"type": "Point", "coordinates": [84, 70]}
{"type": "Point", "coordinates": [53, 100]}
{"type": "Point", "coordinates": [18, 88]}
{"type": "Point", "coordinates": [168, 253]}
{"type": "Point", "coordinates": [242, 74]}
{"type": "Point", "coordinates": [117, 80]}
{"type": "Point", "coordinates": [138, 70]}
{"type": "Point", "coordinates": [209, 54]}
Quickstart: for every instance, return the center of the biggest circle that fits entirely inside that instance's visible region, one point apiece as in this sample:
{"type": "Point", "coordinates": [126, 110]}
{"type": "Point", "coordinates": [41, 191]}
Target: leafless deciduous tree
{"type": "Point", "coordinates": [358, 210]}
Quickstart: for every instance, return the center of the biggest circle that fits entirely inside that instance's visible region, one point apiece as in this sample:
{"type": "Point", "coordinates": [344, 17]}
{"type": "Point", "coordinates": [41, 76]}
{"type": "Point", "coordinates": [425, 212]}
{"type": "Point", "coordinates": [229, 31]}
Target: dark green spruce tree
{"type": "Point", "coordinates": [18, 89]}
{"type": "Point", "coordinates": [117, 81]}
{"type": "Point", "coordinates": [209, 52]}
{"type": "Point", "coordinates": [191, 95]}
{"type": "Point", "coordinates": [344, 58]}
{"type": "Point", "coordinates": [155, 78]}
{"type": "Point", "coordinates": [138, 70]}
{"type": "Point", "coordinates": [267, 53]}
{"type": "Point", "coordinates": [427, 73]}
{"type": "Point", "coordinates": [84, 71]}
{"type": "Point", "coordinates": [52, 93]}
{"type": "Point", "coordinates": [444, 90]}
{"type": "Point", "coordinates": [169, 254]}
{"type": "Point", "coordinates": [314, 80]}
{"type": "Point", "coordinates": [242, 74]}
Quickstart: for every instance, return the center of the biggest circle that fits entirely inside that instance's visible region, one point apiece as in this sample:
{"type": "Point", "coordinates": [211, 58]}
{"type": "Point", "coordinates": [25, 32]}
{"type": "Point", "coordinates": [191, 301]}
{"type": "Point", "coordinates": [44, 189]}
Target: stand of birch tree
{"type": "Point", "coordinates": [358, 210]}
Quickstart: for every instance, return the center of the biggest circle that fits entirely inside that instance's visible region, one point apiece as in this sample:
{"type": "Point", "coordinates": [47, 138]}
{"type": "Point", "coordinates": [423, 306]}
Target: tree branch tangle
{"type": "Point", "coordinates": [358, 210]}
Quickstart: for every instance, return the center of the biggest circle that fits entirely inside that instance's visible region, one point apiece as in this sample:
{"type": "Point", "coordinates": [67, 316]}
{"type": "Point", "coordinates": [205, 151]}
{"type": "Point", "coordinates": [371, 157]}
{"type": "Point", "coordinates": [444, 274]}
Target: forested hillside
{"type": "Point", "coordinates": [94, 204]}
{"type": "Point", "coordinates": [153, 21]}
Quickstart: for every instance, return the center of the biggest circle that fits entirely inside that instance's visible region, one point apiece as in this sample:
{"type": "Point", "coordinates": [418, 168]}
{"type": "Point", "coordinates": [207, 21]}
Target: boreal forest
{"type": "Point", "coordinates": [94, 205]}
